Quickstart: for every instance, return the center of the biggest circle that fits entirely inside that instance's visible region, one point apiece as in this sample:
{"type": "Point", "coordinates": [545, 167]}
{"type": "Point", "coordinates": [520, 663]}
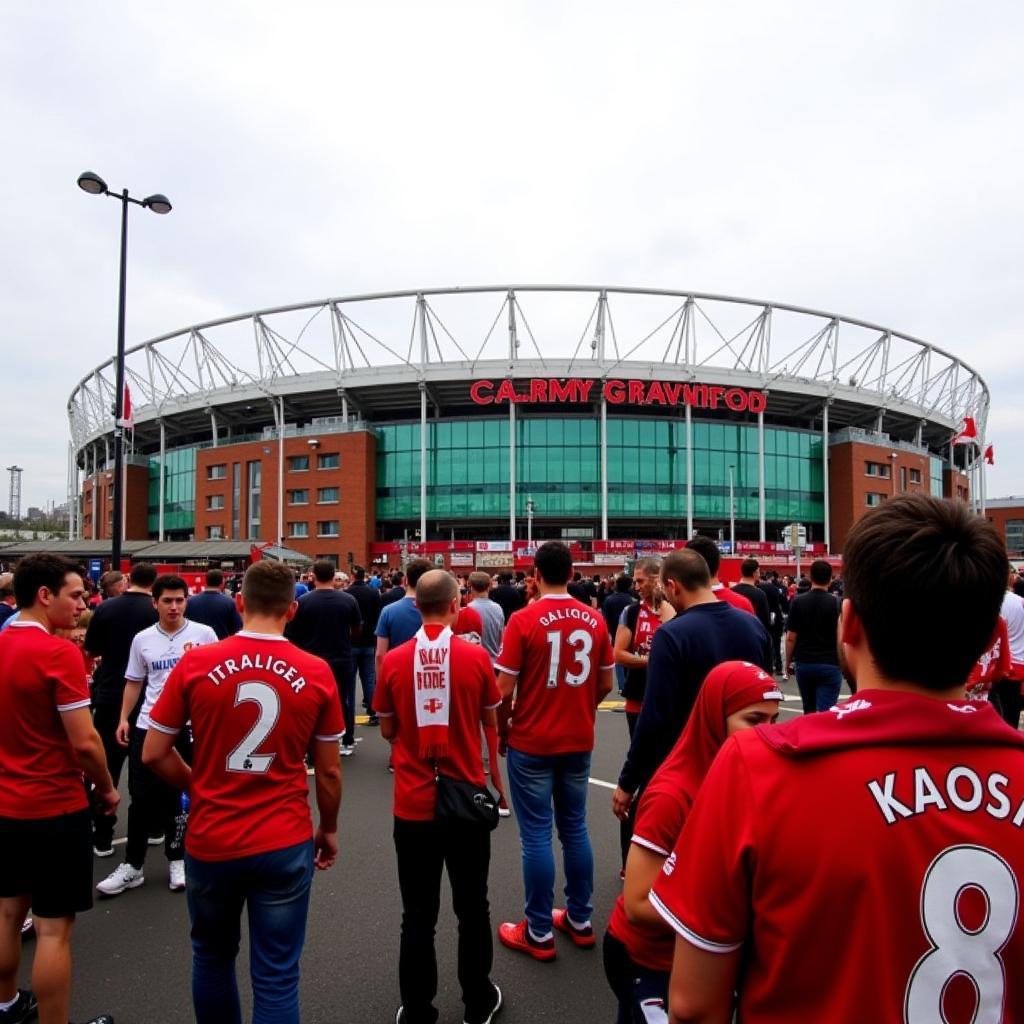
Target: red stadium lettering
{"type": "Point", "coordinates": [583, 389]}
{"type": "Point", "coordinates": [636, 392]}
{"type": "Point", "coordinates": [538, 390]}
{"type": "Point", "coordinates": [673, 392]}
{"type": "Point", "coordinates": [560, 391]}
{"type": "Point", "coordinates": [758, 401]}
{"type": "Point", "coordinates": [737, 399]}
{"type": "Point", "coordinates": [615, 392]}
{"type": "Point", "coordinates": [655, 393]}
{"type": "Point", "coordinates": [715, 393]}
{"type": "Point", "coordinates": [695, 395]}
{"type": "Point", "coordinates": [480, 392]}
{"type": "Point", "coordinates": [506, 392]}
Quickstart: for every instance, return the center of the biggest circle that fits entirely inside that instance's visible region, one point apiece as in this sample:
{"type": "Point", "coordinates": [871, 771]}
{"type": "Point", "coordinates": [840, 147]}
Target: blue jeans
{"type": "Point", "coordinates": [364, 662]}
{"type": "Point", "coordinates": [818, 685]}
{"type": "Point", "coordinates": [275, 886]}
{"type": "Point", "coordinates": [538, 784]}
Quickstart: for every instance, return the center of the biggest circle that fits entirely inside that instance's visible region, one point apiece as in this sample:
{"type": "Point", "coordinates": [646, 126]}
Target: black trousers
{"type": "Point", "coordinates": [105, 718]}
{"type": "Point", "coordinates": [424, 849]}
{"type": "Point", "coordinates": [776, 635]}
{"type": "Point", "coordinates": [1005, 697]}
{"type": "Point", "coordinates": [626, 825]}
{"type": "Point", "coordinates": [155, 806]}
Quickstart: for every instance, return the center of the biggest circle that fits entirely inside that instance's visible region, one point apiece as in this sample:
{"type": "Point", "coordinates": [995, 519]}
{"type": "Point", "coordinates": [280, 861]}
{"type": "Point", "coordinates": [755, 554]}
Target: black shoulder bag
{"type": "Point", "coordinates": [462, 803]}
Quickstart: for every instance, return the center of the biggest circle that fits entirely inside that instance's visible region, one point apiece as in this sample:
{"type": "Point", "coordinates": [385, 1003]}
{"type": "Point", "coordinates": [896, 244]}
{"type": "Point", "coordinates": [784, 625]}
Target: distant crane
{"type": "Point", "coordinates": [14, 499]}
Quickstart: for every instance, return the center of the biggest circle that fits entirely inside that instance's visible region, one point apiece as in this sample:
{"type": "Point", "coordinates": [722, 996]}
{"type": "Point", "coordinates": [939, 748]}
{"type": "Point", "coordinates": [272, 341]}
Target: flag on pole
{"type": "Point", "coordinates": [969, 433]}
{"type": "Point", "coordinates": [990, 455]}
{"type": "Point", "coordinates": [127, 418]}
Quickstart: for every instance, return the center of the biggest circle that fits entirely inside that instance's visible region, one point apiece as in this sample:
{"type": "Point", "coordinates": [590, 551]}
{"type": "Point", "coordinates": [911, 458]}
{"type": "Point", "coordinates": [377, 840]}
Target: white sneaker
{"type": "Point", "coordinates": [124, 876]}
{"type": "Point", "coordinates": [177, 879]}
{"type": "Point", "coordinates": [347, 749]}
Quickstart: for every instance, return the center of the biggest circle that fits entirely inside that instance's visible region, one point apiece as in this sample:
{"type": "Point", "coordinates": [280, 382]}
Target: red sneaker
{"type": "Point", "coordinates": [582, 937]}
{"type": "Point", "coordinates": [517, 936]}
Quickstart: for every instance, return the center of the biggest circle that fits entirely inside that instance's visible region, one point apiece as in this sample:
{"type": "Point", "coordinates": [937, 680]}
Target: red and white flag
{"type": "Point", "coordinates": [990, 455]}
{"type": "Point", "coordinates": [969, 433]}
{"type": "Point", "coordinates": [127, 417]}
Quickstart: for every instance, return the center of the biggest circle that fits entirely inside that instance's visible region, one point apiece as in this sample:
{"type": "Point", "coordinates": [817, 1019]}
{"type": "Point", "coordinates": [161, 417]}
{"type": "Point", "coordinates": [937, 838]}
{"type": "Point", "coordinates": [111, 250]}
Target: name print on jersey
{"type": "Point", "coordinates": [962, 789]}
{"type": "Point", "coordinates": [267, 663]}
{"type": "Point", "coordinates": [565, 614]}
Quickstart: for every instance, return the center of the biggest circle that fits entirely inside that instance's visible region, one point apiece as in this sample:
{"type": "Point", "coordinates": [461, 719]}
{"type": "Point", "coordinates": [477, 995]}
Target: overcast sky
{"type": "Point", "coordinates": [861, 158]}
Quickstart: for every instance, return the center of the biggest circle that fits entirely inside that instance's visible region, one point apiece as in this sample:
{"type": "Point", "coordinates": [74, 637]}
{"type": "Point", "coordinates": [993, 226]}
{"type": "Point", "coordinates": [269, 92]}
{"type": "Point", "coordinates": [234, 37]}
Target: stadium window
{"type": "Point", "coordinates": [1015, 534]}
{"type": "Point", "coordinates": [915, 476]}
{"type": "Point", "coordinates": [298, 464]}
{"type": "Point", "coordinates": [327, 496]}
{"type": "Point", "coordinates": [214, 532]}
{"type": "Point", "coordinates": [879, 469]}
{"type": "Point", "coordinates": [328, 461]}
{"type": "Point", "coordinates": [298, 529]}
{"type": "Point", "coordinates": [214, 502]}
{"type": "Point", "coordinates": [298, 497]}
{"type": "Point", "coordinates": [903, 479]}
{"type": "Point", "coordinates": [873, 500]}
{"type": "Point", "coordinates": [327, 528]}
{"type": "Point", "coordinates": [218, 472]}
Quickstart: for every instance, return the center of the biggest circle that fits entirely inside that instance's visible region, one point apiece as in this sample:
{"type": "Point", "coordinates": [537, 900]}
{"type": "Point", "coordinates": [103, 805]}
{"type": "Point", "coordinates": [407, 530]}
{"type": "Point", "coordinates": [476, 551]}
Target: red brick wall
{"type": "Point", "coordinates": [355, 478]}
{"type": "Point", "coordinates": [850, 484]}
{"type": "Point", "coordinates": [136, 498]}
{"type": "Point", "coordinates": [999, 516]}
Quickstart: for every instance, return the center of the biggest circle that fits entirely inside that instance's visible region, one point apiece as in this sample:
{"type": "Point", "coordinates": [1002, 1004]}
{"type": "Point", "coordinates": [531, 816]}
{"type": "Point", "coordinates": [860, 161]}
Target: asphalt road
{"type": "Point", "coordinates": [132, 955]}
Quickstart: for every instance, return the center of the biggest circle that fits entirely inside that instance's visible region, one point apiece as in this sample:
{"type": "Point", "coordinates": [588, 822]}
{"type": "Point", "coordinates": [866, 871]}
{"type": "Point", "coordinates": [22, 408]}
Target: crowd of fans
{"type": "Point", "coordinates": [747, 847]}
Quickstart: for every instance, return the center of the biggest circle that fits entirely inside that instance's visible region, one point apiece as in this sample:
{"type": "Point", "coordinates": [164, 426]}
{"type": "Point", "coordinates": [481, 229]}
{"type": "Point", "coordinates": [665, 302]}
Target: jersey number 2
{"type": "Point", "coordinates": [956, 949]}
{"type": "Point", "coordinates": [243, 758]}
{"type": "Point", "coordinates": [581, 643]}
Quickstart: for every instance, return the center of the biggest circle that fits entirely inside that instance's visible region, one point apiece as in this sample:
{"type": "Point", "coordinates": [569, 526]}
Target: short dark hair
{"type": "Point", "coordinates": [708, 550]}
{"type": "Point", "coordinates": [396, 579]}
{"type": "Point", "coordinates": [110, 579]}
{"type": "Point", "coordinates": [323, 570]}
{"type": "Point", "coordinates": [268, 588]}
{"type": "Point", "coordinates": [143, 574]}
{"type": "Point", "coordinates": [43, 570]}
{"type": "Point", "coordinates": [926, 578]}
{"type": "Point", "coordinates": [415, 569]}
{"type": "Point", "coordinates": [624, 584]}
{"type": "Point", "coordinates": [168, 581]}
{"type": "Point", "coordinates": [479, 581]}
{"type": "Point", "coordinates": [214, 577]}
{"type": "Point", "coordinates": [553, 561]}
{"type": "Point", "coordinates": [358, 573]}
{"type": "Point", "coordinates": [504, 578]}
{"type": "Point", "coordinates": [687, 567]}
{"type": "Point", "coordinates": [821, 572]}
{"type": "Point", "coordinates": [748, 566]}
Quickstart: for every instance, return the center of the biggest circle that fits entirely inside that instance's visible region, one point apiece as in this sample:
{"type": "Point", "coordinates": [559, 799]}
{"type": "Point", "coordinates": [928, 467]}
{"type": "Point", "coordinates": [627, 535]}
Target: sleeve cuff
{"type": "Point", "coordinates": [384, 714]}
{"type": "Point", "coordinates": [647, 844]}
{"type": "Point", "coordinates": [691, 937]}
{"type": "Point", "coordinates": [507, 671]}
{"type": "Point", "coordinates": [154, 724]}
{"type": "Point", "coordinates": [75, 706]}
{"type": "Point", "coordinates": [329, 739]}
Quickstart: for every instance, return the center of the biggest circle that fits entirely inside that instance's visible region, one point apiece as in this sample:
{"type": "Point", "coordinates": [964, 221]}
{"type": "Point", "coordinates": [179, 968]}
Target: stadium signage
{"type": "Point", "coordinates": [536, 390]}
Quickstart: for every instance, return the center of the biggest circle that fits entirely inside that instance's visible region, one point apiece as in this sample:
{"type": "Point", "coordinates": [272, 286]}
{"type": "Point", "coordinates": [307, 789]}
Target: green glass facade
{"type": "Point", "coordinates": [558, 464]}
{"type": "Point", "coordinates": [179, 491]}
{"type": "Point", "coordinates": [935, 476]}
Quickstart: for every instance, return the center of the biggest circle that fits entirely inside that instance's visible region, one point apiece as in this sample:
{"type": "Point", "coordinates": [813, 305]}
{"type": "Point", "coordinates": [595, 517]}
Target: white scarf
{"type": "Point", "coordinates": [432, 690]}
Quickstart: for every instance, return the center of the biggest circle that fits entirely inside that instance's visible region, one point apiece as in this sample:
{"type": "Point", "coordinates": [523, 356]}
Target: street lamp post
{"type": "Point", "coordinates": [96, 186]}
{"type": "Point", "coordinates": [529, 521]}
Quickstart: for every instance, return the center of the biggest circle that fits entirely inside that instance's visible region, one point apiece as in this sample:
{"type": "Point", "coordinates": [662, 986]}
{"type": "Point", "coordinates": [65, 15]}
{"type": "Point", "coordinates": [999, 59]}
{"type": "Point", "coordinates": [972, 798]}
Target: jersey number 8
{"type": "Point", "coordinates": [957, 949]}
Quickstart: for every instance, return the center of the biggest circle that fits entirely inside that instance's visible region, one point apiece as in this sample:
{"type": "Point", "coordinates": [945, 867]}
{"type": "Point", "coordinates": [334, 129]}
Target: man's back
{"type": "Point", "coordinates": [614, 605]}
{"type": "Point", "coordinates": [509, 597]}
{"type": "Point", "coordinates": [256, 704]}
{"type": "Point", "coordinates": [758, 601]}
{"type": "Point", "coordinates": [368, 600]}
{"type": "Point", "coordinates": [493, 620]}
{"type": "Point", "coordinates": [111, 630]}
{"type": "Point", "coordinates": [813, 617]}
{"type": "Point", "coordinates": [555, 649]}
{"type": "Point", "coordinates": [216, 610]}
{"type": "Point", "coordinates": [323, 624]}
{"type": "Point", "coordinates": [894, 898]}
{"type": "Point", "coordinates": [399, 621]}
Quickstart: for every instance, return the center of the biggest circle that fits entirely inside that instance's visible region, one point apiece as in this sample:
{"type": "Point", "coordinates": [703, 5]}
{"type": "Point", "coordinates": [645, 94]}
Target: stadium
{"type": "Point", "coordinates": [468, 423]}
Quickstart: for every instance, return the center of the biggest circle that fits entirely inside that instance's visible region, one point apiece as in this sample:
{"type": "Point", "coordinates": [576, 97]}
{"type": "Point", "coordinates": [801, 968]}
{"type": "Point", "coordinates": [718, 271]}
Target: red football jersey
{"type": "Point", "coordinates": [40, 676]}
{"type": "Point", "coordinates": [892, 894]}
{"type": "Point", "coordinates": [555, 646]}
{"type": "Point", "coordinates": [993, 665]}
{"type": "Point", "coordinates": [256, 703]}
{"type": "Point", "coordinates": [659, 820]}
{"type": "Point", "coordinates": [473, 689]}
{"type": "Point", "coordinates": [468, 625]}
